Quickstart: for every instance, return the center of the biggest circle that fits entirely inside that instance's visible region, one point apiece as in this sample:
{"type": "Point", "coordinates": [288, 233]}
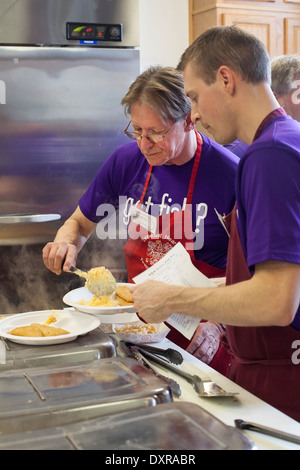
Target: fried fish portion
{"type": "Point", "coordinates": [38, 330]}
{"type": "Point", "coordinates": [123, 295]}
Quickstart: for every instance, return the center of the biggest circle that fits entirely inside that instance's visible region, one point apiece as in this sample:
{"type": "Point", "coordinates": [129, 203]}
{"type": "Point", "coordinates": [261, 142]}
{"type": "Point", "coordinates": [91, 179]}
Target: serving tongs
{"type": "Point", "coordinates": [204, 388]}
{"type": "Point", "coordinates": [241, 424]}
{"type": "Point", "coordinates": [131, 351]}
{"type": "Point", "coordinates": [174, 356]}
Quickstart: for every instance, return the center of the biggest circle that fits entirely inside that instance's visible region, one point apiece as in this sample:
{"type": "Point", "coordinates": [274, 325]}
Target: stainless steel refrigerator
{"type": "Point", "coordinates": [64, 67]}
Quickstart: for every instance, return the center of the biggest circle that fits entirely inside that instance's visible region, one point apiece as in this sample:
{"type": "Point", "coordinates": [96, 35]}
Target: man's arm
{"type": "Point", "coordinates": [69, 240]}
{"type": "Point", "coordinates": [270, 298]}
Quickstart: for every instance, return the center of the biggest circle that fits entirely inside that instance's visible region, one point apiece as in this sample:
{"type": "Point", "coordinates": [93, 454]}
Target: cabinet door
{"type": "Point", "coordinates": [263, 27]}
{"type": "Point", "coordinates": [292, 35]}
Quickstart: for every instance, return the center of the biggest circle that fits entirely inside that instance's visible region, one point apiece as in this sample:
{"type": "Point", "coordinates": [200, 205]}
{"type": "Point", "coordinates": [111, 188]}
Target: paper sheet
{"type": "Point", "coordinates": [177, 268]}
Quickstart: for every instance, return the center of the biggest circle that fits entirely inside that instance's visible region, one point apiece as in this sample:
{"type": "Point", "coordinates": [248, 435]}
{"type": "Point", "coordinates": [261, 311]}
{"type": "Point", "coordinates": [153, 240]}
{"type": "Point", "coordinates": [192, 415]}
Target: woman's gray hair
{"type": "Point", "coordinates": [283, 69]}
{"type": "Point", "coordinates": [162, 89]}
{"type": "Point", "coordinates": [230, 46]}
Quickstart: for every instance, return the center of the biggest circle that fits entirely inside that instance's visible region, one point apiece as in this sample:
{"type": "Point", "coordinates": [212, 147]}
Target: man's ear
{"type": "Point", "coordinates": [227, 78]}
{"type": "Point", "coordinates": [189, 124]}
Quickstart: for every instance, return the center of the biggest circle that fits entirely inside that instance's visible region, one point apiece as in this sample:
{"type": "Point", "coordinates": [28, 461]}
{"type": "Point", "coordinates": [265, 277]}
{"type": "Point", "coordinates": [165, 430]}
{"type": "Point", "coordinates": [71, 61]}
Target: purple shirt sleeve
{"type": "Point", "coordinates": [270, 206]}
{"type": "Point", "coordinates": [268, 197]}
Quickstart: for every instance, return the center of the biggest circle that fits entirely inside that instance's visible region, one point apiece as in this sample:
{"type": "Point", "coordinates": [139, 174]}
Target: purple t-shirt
{"type": "Point", "coordinates": [237, 147]}
{"type": "Point", "coordinates": [268, 196]}
{"type": "Point", "coordinates": [122, 177]}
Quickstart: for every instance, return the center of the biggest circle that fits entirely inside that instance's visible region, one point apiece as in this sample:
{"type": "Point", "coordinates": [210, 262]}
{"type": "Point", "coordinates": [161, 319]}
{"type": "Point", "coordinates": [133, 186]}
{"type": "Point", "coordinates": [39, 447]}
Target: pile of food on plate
{"type": "Point", "coordinates": [139, 332]}
{"type": "Point", "coordinates": [137, 329]}
{"type": "Point", "coordinates": [121, 297]}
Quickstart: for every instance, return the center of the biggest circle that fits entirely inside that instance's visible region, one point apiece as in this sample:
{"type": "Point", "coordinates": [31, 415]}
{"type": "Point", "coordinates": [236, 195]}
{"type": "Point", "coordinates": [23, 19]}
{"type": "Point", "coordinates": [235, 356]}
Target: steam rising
{"type": "Point", "coordinates": [27, 285]}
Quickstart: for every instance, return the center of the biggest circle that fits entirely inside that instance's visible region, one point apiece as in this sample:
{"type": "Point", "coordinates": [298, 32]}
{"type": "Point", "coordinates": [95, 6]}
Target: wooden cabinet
{"type": "Point", "coordinates": [275, 22]}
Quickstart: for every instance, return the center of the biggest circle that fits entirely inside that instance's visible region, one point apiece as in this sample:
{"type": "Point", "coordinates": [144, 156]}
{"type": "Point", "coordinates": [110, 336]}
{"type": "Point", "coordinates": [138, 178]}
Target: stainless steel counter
{"type": "Point", "coordinates": [38, 398]}
{"type": "Point", "coordinates": [65, 396]}
{"type": "Point", "coordinates": [244, 406]}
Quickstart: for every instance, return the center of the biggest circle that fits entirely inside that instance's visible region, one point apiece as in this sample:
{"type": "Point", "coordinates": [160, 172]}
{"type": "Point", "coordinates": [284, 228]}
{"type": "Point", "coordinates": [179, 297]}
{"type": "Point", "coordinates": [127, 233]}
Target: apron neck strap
{"type": "Point", "coordinates": [146, 184]}
{"type": "Point", "coordinates": [195, 169]}
{"type": "Point", "coordinates": [274, 114]}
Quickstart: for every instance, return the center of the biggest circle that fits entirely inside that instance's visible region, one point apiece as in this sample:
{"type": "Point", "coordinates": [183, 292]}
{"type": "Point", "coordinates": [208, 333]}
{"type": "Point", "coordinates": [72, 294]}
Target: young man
{"type": "Point", "coordinates": [227, 76]}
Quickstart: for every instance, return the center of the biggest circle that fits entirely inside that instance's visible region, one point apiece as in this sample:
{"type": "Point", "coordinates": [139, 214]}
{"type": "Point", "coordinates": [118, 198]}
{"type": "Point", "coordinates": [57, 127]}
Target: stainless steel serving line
{"type": "Point", "coordinates": [36, 398]}
{"type": "Point", "coordinates": [65, 396]}
{"type": "Point", "coordinates": [168, 426]}
{"type": "Point", "coordinates": [86, 395]}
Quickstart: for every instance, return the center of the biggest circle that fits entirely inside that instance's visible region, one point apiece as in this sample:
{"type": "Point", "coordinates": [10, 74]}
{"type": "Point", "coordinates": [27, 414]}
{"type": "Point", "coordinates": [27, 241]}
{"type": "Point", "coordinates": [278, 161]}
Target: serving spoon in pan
{"type": "Point", "coordinates": [99, 281]}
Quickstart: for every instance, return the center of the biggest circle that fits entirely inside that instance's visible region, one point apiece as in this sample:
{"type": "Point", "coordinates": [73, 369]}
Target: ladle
{"type": "Point", "coordinates": [101, 286]}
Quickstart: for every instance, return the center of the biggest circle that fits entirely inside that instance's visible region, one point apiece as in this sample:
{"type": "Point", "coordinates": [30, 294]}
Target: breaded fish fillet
{"type": "Point", "coordinates": [123, 295]}
{"type": "Point", "coordinates": [38, 330]}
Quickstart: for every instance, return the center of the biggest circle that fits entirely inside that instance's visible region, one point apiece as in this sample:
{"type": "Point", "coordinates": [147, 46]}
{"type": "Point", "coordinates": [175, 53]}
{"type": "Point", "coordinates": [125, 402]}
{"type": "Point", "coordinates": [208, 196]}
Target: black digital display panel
{"type": "Point", "coordinates": [94, 32]}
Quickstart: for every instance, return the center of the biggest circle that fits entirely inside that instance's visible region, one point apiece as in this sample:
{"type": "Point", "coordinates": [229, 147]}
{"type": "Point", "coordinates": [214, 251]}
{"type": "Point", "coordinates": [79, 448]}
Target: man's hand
{"type": "Point", "coordinates": [151, 300]}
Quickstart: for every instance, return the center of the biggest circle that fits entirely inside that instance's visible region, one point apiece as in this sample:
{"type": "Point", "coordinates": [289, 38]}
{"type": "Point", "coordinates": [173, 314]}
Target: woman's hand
{"type": "Point", "coordinates": [206, 341]}
{"type": "Point", "coordinates": [70, 238]}
{"type": "Point", "coordinates": [59, 255]}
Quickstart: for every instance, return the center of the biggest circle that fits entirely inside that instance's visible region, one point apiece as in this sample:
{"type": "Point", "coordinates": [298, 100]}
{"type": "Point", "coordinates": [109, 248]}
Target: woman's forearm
{"type": "Point", "coordinates": [70, 233]}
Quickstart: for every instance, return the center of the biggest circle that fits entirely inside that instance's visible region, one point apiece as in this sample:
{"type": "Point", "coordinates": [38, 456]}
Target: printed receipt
{"type": "Point", "coordinates": [177, 268]}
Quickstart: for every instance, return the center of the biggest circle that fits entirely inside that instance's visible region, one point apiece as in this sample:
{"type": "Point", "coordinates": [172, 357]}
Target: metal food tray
{"type": "Point", "coordinates": [93, 345]}
{"type": "Point", "coordinates": [34, 398]}
{"type": "Point", "coordinates": [170, 426]}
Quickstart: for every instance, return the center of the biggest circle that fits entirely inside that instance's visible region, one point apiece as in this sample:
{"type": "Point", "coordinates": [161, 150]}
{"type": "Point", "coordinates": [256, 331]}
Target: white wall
{"type": "Point", "coordinates": [164, 31]}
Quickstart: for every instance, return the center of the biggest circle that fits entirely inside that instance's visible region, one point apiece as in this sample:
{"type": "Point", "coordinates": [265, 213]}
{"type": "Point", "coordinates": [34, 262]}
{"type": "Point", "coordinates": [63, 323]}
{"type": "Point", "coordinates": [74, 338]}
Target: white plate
{"type": "Point", "coordinates": [118, 318]}
{"type": "Point", "coordinates": [82, 293]}
{"type": "Point", "coordinates": [76, 323]}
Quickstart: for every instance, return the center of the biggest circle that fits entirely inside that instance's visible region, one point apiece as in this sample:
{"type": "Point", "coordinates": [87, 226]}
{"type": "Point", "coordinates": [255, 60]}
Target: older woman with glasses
{"type": "Point", "coordinates": [176, 177]}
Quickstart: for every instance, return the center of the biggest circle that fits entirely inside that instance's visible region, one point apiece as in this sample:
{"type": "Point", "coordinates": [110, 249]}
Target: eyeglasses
{"type": "Point", "coordinates": [152, 137]}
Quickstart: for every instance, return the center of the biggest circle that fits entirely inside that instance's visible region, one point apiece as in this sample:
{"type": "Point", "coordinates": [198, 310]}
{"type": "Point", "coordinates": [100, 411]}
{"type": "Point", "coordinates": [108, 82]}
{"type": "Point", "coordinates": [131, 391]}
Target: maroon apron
{"type": "Point", "coordinates": [261, 356]}
{"type": "Point", "coordinates": [147, 249]}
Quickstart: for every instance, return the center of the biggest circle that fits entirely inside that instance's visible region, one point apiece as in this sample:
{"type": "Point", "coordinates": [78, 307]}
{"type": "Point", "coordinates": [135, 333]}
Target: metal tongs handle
{"type": "Point", "coordinates": [239, 423]}
{"type": "Point", "coordinates": [172, 383]}
{"type": "Point", "coordinates": [192, 379]}
{"type": "Point", "coordinates": [132, 351]}
{"type": "Point", "coordinates": [171, 354]}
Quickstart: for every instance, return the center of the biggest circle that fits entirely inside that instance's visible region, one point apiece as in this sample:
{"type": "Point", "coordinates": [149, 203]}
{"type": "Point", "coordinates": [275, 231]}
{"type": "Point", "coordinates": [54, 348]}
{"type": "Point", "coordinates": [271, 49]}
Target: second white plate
{"type": "Point", "coordinates": [73, 298]}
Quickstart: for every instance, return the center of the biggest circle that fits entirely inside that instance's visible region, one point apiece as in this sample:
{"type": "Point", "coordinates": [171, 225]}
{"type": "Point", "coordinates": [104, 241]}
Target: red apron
{"type": "Point", "coordinates": [261, 356]}
{"type": "Point", "coordinates": [147, 249]}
